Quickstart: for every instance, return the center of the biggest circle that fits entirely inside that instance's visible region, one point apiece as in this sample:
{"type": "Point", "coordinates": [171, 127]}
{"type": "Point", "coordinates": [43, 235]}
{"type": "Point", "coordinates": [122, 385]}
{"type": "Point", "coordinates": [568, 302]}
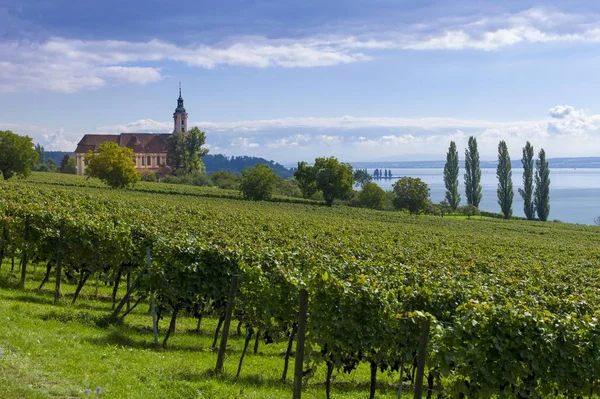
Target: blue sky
{"type": "Point", "coordinates": [361, 80]}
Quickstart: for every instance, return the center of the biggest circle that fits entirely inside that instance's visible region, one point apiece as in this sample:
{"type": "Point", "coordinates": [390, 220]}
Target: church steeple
{"type": "Point", "coordinates": [180, 116]}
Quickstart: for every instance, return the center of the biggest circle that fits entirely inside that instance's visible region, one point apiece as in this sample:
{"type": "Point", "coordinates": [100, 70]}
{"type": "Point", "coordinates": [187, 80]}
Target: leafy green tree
{"type": "Point", "coordinates": [68, 164]}
{"type": "Point", "coordinates": [451, 176]}
{"type": "Point", "coordinates": [371, 196]}
{"type": "Point", "coordinates": [257, 182]}
{"type": "Point", "coordinates": [17, 155]}
{"type": "Point", "coordinates": [185, 151]}
{"type": "Point", "coordinates": [41, 154]}
{"type": "Point", "coordinates": [333, 178]}
{"type": "Point", "coordinates": [527, 190]}
{"type": "Point", "coordinates": [410, 193]}
{"type": "Point", "coordinates": [305, 176]}
{"type": "Point", "coordinates": [505, 186]}
{"type": "Point", "coordinates": [473, 173]}
{"type": "Point", "coordinates": [541, 194]}
{"type": "Point", "coordinates": [113, 165]}
{"type": "Point", "coordinates": [361, 176]}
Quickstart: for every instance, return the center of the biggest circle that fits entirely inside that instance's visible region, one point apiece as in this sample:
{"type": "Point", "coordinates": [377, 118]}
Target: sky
{"type": "Point", "coordinates": [362, 80]}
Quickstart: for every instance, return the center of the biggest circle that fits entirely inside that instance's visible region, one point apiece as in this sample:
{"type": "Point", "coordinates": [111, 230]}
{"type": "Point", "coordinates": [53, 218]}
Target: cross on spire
{"type": "Point", "coordinates": [179, 89]}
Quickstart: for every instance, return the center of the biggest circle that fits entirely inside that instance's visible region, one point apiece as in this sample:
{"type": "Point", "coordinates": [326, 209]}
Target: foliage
{"type": "Point", "coordinates": [113, 165]}
{"type": "Point", "coordinates": [469, 210]}
{"type": "Point", "coordinates": [329, 176]}
{"type": "Point", "coordinates": [473, 173]}
{"type": "Point", "coordinates": [68, 164]}
{"type": "Point", "coordinates": [185, 151]}
{"type": "Point", "coordinates": [17, 155]}
{"type": "Point", "coordinates": [257, 183]}
{"type": "Point", "coordinates": [451, 176]}
{"type": "Point", "coordinates": [148, 176]}
{"type": "Point", "coordinates": [410, 193]}
{"type": "Point", "coordinates": [191, 179]}
{"type": "Point", "coordinates": [372, 196]}
{"type": "Point", "coordinates": [287, 187]}
{"type": "Point", "coordinates": [39, 149]}
{"type": "Point", "coordinates": [541, 195]}
{"type": "Point", "coordinates": [305, 176]}
{"type": "Point", "coordinates": [361, 176]}
{"type": "Point", "coordinates": [505, 186]}
{"type": "Point", "coordinates": [498, 329]}
{"type": "Point", "coordinates": [527, 190]}
{"type": "Point", "coordinates": [225, 179]}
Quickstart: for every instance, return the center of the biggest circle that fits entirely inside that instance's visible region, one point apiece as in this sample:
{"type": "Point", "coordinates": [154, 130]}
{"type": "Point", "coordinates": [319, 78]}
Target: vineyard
{"type": "Point", "coordinates": [455, 308]}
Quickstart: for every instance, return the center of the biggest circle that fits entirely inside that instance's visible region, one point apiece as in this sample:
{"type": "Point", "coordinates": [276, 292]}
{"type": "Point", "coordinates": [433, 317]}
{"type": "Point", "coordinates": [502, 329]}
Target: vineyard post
{"type": "Point", "coordinates": [152, 300]}
{"type": "Point", "coordinates": [58, 262]}
{"type": "Point", "coordinates": [299, 364]}
{"type": "Point", "coordinates": [421, 359]}
{"type": "Point", "coordinates": [227, 322]}
{"type": "Point", "coordinates": [24, 254]}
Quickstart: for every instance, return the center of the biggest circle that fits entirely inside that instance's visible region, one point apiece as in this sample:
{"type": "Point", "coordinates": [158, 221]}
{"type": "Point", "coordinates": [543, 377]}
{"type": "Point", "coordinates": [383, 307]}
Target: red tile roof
{"type": "Point", "coordinates": [138, 142]}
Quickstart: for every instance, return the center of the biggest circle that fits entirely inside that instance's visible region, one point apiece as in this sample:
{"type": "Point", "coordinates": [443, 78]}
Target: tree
{"type": "Point", "coordinates": [371, 196]}
{"type": "Point", "coordinates": [113, 165]}
{"type": "Point", "coordinates": [451, 176]}
{"type": "Point", "coordinates": [17, 155]}
{"type": "Point", "coordinates": [410, 193]}
{"type": "Point", "coordinates": [597, 220]}
{"type": "Point", "coordinates": [185, 151]}
{"type": "Point", "coordinates": [257, 182]}
{"type": "Point", "coordinates": [361, 176]}
{"type": "Point", "coordinates": [505, 186]}
{"type": "Point", "coordinates": [41, 154]}
{"type": "Point", "coordinates": [541, 195]}
{"type": "Point", "coordinates": [527, 190]}
{"type": "Point", "coordinates": [226, 179]}
{"type": "Point", "coordinates": [333, 179]}
{"type": "Point", "coordinates": [305, 177]}
{"type": "Point", "coordinates": [68, 165]}
{"type": "Point", "coordinates": [473, 173]}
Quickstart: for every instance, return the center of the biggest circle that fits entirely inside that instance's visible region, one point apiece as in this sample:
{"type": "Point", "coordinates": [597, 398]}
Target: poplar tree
{"type": "Point", "coordinates": [451, 176]}
{"type": "Point", "coordinates": [527, 190]}
{"type": "Point", "coordinates": [505, 186]}
{"type": "Point", "coordinates": [473, 173]}
{"type": "Point", "coordinates": [542, 187]}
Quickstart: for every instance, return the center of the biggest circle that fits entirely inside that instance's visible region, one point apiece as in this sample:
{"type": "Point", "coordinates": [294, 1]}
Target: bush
{"type": "Point", "coordinates": [148, 176]}
{"type": "Point", "coordinates": [190, 179]}
{"type": "Point", "coordinates": [258, 183]}
{"type": "Point", "coordinates": [226, 180]}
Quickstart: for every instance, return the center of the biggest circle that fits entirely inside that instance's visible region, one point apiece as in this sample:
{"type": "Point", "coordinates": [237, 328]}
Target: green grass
{"type": "Point", "coordinates": [59, 351]}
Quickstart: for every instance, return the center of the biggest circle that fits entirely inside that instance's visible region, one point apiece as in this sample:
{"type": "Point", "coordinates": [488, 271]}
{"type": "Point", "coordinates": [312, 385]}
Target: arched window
{"type": "Point", "coordinates": [149, 161]}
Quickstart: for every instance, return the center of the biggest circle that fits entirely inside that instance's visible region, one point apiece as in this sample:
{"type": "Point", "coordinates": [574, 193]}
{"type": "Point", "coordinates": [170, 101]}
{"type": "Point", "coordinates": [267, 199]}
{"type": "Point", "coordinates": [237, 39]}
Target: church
{"type": "Point", "coordinates": [150, 149]}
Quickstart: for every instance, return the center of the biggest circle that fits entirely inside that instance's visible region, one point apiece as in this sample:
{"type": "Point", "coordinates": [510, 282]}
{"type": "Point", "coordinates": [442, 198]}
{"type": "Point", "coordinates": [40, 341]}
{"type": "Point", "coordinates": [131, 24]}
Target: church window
{"type": "Point", "coordinates": [149, 161]}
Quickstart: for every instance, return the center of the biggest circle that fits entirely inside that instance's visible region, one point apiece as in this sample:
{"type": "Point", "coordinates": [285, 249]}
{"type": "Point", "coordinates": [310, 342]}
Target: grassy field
{"type": "Point", "coordinates": [59, 352]}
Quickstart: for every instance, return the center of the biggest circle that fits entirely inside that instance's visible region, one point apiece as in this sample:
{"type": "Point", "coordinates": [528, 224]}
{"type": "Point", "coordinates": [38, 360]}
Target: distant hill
{"type": "Point", "coordinates": [213, 163]}
{"type": "Point", "coordinates": [234, 164]}
{"type": "Point", "coordinates": [57, 155]}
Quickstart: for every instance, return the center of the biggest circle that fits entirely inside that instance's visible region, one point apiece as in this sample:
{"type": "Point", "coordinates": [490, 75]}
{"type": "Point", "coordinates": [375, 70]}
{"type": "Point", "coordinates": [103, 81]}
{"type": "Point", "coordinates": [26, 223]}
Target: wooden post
{"type": "Point", "coordinates": [24, 254]}
{"type": "Point", "coordinates": [152, 300]}
{"type": "Point", "coordinates": [421, 359]}
{"type": "Point", "coordinates": [227, 322]}
{"type": "Point", "coordinates": [58, 262]}
{"type": "Point", "coordinates": [299, 364]}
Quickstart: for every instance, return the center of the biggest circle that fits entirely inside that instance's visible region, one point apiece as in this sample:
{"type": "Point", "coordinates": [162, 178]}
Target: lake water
{"type": "Point", "coordinates": [574, 193]}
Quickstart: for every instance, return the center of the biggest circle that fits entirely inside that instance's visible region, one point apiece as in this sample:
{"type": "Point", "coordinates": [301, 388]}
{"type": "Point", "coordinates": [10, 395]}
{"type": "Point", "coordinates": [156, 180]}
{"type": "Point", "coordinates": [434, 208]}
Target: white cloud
{"type": "Point", "coordinates": [567, 132]}
{"type": "Point", "coordinates": [67, 65]}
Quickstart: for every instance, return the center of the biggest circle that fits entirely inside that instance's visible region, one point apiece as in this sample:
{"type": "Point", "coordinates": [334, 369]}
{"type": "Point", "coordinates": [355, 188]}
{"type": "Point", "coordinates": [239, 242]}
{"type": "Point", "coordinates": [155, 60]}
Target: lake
{"type": "Point", "coordinates": [574, 193]}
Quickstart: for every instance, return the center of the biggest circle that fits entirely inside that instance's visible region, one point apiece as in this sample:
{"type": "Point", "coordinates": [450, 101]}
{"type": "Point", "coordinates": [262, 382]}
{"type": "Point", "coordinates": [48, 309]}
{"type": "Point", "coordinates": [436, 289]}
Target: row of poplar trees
{"type": "Point", "coordinates": [535, 196]}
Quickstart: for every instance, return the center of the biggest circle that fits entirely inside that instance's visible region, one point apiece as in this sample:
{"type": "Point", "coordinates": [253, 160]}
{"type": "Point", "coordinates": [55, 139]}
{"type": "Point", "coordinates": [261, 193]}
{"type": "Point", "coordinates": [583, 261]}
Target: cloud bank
{"type": "Point", "coordinates": [566, 132]}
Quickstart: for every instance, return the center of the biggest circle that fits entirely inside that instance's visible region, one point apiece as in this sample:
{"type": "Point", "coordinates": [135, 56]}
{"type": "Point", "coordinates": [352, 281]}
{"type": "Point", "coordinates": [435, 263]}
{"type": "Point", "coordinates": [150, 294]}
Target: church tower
{"type": "Point", "coordinates": [180, 116]}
